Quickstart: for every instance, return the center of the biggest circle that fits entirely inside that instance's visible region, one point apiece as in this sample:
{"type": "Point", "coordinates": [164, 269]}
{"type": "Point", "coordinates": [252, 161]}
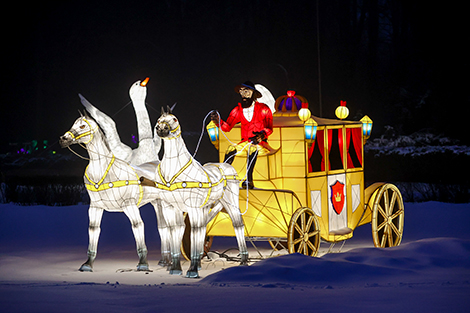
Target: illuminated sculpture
{"type": "Point", "coordinates": [312, 188]}
{"type": "Point", "coordinates": [201, 191]}
{"type": "Point", "coordinates": [144, 158]}
{"type": "Point", "coordinates": [256, 120]}
{"type": "Point", "coordinates": [112, 184]}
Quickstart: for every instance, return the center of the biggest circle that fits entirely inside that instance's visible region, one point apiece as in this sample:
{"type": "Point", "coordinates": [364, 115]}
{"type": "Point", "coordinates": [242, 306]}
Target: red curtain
{"type": "Point", "coordinates": [357, 142]}
{"type": "Point", "coordinates": [330, 139]}
{"type": "Point", "coordinates": [356, 135]}
{"type": "Point", "coordinates": [321, 146]}
{"type": "Point", "coordinates": [320, 141]}
{"type": "Point", "coordinates": [348, 142]}
{"type": "Point", "coordinates": [340, 143]}
{"type": "Point", "coordinates": [310, 152]}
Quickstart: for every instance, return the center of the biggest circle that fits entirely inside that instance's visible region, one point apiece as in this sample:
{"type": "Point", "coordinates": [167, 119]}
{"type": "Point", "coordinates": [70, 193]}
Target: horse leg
{"type": "Point", "coordinates": [198, 234]}
{"type": "Point", "coordinates": [132, 212]}
{"type": "Point", "coordinates": [175, 222]}
{"type": "Point", "coordinates": [94, 215]}
{"type": "Point", "coordinates": [230, 203]}
{"type": "Point", "coordinates": [213, 212]}
{"type": "Point", "coordinates": [164, 232]}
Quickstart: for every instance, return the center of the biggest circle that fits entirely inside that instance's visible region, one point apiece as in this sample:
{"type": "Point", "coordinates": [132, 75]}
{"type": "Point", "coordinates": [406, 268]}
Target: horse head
{"type": "Point", "coordinates": [168, 125]}
{"type": "Point", "coordinates": [82, 131]}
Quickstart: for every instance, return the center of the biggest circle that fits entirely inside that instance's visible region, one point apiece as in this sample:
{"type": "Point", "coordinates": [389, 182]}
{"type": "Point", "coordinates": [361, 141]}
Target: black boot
{"type": "Point", "coordinates": [249, 175]}
{"type": "Point", "coordinates": [229, 156]}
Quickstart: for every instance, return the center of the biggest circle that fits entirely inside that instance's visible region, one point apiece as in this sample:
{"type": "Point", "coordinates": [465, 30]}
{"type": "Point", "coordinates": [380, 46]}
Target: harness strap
{"type": "Point", "coordinates": [99, 186]}
{"type": "Point", "coordinates": [104, 175]}
{"type": "Point", "coordinates": [176, 175]}
{"type": "Point", "coordinates": [172, 186]}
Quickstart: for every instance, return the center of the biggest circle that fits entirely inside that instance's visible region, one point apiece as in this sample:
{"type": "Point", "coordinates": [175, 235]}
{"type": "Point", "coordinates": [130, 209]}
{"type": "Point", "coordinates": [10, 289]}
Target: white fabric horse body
{"type": "Point", "coordinates": [112, 185]}
{"type": "Point", "coordinates": [201, 191]}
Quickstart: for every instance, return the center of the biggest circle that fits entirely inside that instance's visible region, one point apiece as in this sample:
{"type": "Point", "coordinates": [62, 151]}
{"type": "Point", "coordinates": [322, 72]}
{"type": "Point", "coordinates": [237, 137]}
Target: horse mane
{"type": "Point", "coordinates": [105, 140]}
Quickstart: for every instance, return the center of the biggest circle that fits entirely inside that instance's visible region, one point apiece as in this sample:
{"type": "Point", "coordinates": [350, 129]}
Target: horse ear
{"type": "Point", "coordinates": [169, 109]}
{"type": "Point", "coordinates": [173, 107]}
{"type": "Point", "coordinates": [163, 111]}
{"type": "Point", "coordinates": [81, 114]}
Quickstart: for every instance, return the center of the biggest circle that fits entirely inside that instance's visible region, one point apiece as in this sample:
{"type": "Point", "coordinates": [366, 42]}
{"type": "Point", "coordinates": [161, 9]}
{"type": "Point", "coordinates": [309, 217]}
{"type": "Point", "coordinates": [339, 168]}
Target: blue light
{"type": "Point", "coordinates": [367, 127]}
{"type": "Point", "coordinates": [213, 133]}
{"type": "Point", "coordinates": [310, 132]}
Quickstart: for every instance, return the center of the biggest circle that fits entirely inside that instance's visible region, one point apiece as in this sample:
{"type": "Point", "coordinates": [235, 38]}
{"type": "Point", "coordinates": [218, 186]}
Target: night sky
{"type": "Point", "coordinates": [194, 52]}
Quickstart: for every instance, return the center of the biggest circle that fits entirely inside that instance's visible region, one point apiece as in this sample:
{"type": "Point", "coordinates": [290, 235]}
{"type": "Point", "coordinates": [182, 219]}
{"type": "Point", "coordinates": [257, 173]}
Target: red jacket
{"type": "Point", "coordinates": [262, 121]}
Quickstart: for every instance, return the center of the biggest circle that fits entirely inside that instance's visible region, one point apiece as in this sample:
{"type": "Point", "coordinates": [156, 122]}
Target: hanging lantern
{"type": "Point", "coordinates": [342, 111]}
{"type": "Point", "coordinates": [213, 132]}
{"type": "Point", "coordinates": [304, 113]}
{"type": "Point", "coordinates": [290, 104]}
{"type": "Point", "coordinates": [310, 130]}
{"type": "Point", "coordinates": [366, 127]}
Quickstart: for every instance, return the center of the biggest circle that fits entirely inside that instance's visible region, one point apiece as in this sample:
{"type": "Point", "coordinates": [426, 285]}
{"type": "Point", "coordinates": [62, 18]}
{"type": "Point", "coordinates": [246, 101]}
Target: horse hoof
{"type": "Point", "coordinates": [176, 272]}
{"type": "Point", "coordinates": [244, 263]}
{"type": "Point", "coordinates": [192, 274]}
{"type": "Point", "coordinates": [163, 263]}
{"type": "Point", "coordinates": [86, 268]}
{"type": "Point", "coordinates": [142, 267]}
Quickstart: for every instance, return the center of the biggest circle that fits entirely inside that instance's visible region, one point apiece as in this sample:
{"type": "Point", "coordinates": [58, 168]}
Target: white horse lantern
{"type": "Point", "coordinates": [201, 191]}
{"type": "Point", "coordinates": [144, 159]}
{"type": "Point", "coordinates": [113, 185]}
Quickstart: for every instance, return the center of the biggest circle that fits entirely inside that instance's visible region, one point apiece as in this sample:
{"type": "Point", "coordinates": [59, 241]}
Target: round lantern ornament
{"type": "Point", "coordinates": [342, 111]}
{"type": "Point", "coordinates": [304, 113]}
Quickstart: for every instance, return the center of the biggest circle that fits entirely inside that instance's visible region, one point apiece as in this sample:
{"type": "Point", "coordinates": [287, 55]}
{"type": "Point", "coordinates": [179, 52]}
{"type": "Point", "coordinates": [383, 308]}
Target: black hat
{"type": "Point", "coordinates": [250, 85]}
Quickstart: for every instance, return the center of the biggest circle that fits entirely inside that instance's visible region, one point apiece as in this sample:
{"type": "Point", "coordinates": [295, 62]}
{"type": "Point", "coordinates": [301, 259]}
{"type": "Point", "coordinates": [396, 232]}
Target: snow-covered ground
{"type": "Point", "coordinates": [417, 144]}
{"type": "Point", "coordinates": [42, 247]}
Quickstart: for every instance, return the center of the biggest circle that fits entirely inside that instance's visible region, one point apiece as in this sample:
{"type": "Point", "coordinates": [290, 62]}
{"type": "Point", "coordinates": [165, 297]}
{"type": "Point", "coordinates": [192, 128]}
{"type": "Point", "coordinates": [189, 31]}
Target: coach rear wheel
{"type": "Point", "coordinates": [388, 216]}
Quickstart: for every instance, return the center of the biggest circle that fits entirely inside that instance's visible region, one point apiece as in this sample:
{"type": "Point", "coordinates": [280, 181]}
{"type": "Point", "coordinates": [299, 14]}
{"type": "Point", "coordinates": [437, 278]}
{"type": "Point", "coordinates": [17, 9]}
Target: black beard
{"type": "Point", "coordinates": [247, 102]}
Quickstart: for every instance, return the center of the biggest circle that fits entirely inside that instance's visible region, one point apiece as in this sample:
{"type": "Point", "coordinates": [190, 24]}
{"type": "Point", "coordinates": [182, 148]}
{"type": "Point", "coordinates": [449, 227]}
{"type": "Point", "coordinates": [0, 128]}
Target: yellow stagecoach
{"type": "Point", "coordinates": [311, 187]}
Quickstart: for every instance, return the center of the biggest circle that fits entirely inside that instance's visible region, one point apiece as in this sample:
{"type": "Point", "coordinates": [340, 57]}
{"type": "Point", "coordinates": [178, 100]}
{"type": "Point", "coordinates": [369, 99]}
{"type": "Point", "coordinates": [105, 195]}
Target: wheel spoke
{"type": "Point", "coordinates": [384, 238]}
{"type": "Point", "coordinates": [296, 241]}
{"type": "Point", "coordinates": [313, 233]}
{"type": "Point", "coordinates": [381, 210]}
{"type": "Point", "coordinates": [396, 214]}
{"type": "Point", "coordinates": [301, 247]}
{"type": "Point", "coordinates": [312, 246]}
{"type": "Point", "coordinates": [392, 203]}
{"type": "Point", "coordinates": [390, 237]}
{"type": "Point", "coordinates": [395, 229]}
{"type": "Point", "coordinates": [386, 202]}
{"type": "Point", "coordinates": [302, 220]}
{"type": "Point", "coordinates": [309, 222]}
{"type": "Point", "coordinates": [299, 229]}
{"type": "Point", "coordinates": [382, 225]}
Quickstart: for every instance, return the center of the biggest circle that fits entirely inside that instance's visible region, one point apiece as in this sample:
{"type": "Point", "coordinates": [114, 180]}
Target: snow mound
{"type": "Point", "coordinates": [417, 144]}
{"type": "Point", "coordinates": [437, 259]}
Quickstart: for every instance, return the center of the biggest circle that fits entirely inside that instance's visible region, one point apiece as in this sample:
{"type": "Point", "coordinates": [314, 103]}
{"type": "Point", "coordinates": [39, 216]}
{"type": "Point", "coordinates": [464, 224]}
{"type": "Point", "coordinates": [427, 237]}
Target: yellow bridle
{"type": "Point", "coordinates": [90, 132]}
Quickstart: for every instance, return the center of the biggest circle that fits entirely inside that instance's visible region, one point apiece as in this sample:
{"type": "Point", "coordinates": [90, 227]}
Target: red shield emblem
{"type": "Point", "coordinates": [337, 197]}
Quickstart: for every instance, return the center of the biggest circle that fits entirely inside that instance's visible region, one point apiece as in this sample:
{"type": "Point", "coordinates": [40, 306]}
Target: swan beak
{"type": "Point", "coordinates": [144, 83]}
